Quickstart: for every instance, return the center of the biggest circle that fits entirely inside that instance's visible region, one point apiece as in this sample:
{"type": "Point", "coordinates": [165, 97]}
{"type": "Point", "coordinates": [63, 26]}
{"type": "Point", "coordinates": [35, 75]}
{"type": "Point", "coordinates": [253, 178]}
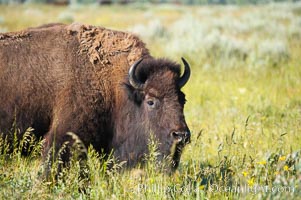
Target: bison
{"type": "Point", "coordinates": [100, 84]}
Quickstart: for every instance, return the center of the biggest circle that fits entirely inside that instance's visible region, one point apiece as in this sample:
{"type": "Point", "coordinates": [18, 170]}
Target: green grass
{"type": "Point", "coordinates": [243, 108]}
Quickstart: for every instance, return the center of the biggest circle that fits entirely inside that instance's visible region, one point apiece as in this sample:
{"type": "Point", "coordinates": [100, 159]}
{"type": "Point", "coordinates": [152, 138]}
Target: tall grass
{"type": "Point", "coordinates": [243, 108]}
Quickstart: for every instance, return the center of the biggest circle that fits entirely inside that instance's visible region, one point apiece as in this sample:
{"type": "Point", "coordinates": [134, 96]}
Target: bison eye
{"type": "Point", "coordinates": [150, 102]}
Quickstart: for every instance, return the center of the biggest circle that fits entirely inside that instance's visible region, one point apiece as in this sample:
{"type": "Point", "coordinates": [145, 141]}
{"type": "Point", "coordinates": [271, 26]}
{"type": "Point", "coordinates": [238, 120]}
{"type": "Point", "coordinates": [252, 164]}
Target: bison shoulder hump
{"type": "Point", "coordinates": [100, 44]}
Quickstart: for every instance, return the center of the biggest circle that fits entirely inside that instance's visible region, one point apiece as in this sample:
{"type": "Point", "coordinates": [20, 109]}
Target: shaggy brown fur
{"type": "Point", "coordinates": [74, 78]}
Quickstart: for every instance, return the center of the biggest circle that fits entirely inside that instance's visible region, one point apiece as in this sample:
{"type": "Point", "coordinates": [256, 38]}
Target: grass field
{"type": "Point", "coordinates": [243, 108]}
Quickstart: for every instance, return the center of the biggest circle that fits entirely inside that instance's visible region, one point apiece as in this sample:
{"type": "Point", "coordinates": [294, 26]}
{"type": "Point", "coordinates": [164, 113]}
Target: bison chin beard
{"type": "Point", "coordinates": [169, 156]}
{"type": "Point", "coordinates": [176, 152]}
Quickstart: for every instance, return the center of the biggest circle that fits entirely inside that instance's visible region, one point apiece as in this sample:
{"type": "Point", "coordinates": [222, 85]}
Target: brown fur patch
{"type": "Point", "coordinates": [101, 44]}
{"type": "Point", "coordinates": [6, 37]}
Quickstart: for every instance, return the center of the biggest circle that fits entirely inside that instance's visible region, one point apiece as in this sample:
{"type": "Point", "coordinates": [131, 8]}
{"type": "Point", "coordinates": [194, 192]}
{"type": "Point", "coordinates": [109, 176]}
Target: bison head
{"type": "Point", "coordinates": [154, 88]}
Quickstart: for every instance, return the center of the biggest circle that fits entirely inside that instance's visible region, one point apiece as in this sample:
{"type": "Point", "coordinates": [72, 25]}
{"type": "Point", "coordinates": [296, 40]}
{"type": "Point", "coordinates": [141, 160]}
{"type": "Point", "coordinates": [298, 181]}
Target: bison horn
{"type": "Point", "coordinates": [134, 81]}
{"type": "Point", "coordinates": [183, 80]}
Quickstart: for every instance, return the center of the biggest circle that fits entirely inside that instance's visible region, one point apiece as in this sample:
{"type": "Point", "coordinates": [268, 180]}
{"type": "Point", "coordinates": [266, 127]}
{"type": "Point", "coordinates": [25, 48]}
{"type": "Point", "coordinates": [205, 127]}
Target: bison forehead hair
{"type": "Point", "coordinates": [154, 66]}
{"type": "Point", "coordinates": [160, 77]}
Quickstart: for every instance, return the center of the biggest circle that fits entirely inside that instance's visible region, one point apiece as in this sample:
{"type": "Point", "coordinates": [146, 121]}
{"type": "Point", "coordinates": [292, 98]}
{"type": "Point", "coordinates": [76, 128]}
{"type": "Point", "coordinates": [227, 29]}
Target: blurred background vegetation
{"type": "Point", "coordinates": [189, 2]}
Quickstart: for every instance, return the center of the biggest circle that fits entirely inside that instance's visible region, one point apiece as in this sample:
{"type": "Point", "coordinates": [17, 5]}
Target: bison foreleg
{"type": "Point", "coordinates": [60, 151]}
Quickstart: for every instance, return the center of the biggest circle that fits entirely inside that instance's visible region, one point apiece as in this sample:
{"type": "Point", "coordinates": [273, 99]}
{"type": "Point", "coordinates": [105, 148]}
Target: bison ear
{"type": "Point", "coordinates": [133, 94]}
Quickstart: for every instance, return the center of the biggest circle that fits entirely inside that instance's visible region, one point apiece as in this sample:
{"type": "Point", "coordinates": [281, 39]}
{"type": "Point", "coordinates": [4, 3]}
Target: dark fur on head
{"type": "Point", "coordinates": [146, 69]}
{"type": "Point", "coordinates": [152, 66]}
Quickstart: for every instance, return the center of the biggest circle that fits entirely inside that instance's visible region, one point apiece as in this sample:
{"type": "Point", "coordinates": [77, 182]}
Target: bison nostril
{"type": "Point", "coordinates": [181, 136]}
{"type": "Point", "coordinates": [178, 136]}
{"type": "Point", "coordinates": [187, 137]}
